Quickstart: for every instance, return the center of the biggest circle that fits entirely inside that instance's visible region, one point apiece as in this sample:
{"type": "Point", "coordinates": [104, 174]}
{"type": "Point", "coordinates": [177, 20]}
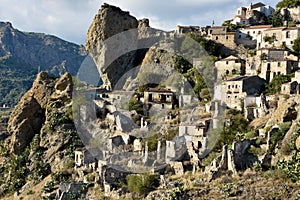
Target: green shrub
{"type": "Point", "coordinates": [287, 4]}
{"type": "Point", "coordinates": [70, 164]}
{"type": "Point", "coordinates": [275, 85]}
{"type": "Point", "coordinates": [49, 186]}
{"type": "Point", "coordinates": [235, 127]}
{"type": "Point", "coordinates": [268, 39]}
{"type": "Point", "coordinates": [152, 142]}
{"type": "Point", "coordinates": [141, 184]}
{"type": "Point", "coordinates": [251, 134]}
{"type": "Point", "coordinates": [279, 135]}
{"type": "Point", "coordinates": [291, 168]}
{"type": "Point", "coordinates": [135, 104]}
{"type": "Point", "coordinates": [254, 150]}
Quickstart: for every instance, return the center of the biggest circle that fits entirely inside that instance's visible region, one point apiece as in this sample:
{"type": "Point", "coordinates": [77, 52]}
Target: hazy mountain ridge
{"type": "Point", "coordinates": [23, 54]}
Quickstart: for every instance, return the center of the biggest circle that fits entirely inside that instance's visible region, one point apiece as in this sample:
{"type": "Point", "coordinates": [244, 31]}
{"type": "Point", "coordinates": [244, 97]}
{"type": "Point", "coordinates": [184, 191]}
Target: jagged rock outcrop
{"type": "Point", "coordinates": [27, 118]}
{"type": "Point", "coordinates": [25, 122]}
{"type": "Point", "coordinates": [118, 42]}
{"type": "Point", "coordinates": [285, 111]}
{"type": "Point", "coordinates": [109, 21]}
{"type": "Point", "coordinates": [42, 136]}
{"type": "Point", "coordinates": [43, 111]}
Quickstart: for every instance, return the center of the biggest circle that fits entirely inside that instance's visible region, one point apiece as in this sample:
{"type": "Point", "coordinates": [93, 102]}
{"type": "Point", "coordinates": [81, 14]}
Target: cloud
{"type": "Point", "coordinates": [71, 19]}
{"type": "Point", "coordinates": [64, 18]}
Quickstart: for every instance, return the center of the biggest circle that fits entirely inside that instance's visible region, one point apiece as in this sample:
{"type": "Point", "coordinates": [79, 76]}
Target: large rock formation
{"type": "Point", "coordinates": [29, 115]}
{"type": "Point", "coordinates": [118, 42]}
{"type": "Point", "coordinates": [286, 111]}
{"type": "Point", "coordinates": [109, 21]}
{"type": "Point", "coordinates": [45, 111]}
{"type": "Point", "coordinates": [42, 137]}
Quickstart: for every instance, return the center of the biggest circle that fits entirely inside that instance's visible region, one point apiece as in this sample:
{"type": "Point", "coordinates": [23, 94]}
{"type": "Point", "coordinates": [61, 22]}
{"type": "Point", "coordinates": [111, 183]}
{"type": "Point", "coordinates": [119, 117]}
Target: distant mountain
{"type": "Point", "coordinates": [24, 54]}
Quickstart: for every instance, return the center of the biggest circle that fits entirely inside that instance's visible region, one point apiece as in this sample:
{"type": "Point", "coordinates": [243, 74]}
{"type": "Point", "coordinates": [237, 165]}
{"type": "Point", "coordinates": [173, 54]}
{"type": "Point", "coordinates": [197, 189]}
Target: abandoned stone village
{"type": "Point", "coordinates": [241, 119]}
{"type": "Point", "coordinates": [184, 143]}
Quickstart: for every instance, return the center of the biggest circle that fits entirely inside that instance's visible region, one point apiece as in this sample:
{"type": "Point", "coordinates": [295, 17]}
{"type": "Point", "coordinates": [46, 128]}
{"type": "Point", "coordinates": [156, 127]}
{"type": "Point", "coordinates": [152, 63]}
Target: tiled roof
{"type": "Point", "coordinates": [283, 28]}
{"type": "Point", "coordinates": [258, 5]}
{"type": "Point", "coordinates": [231, 58]}
{"type": "Point", "coordinates": [238, 78]}
{"type": "Point", "coordinates": [259, 27]}
{"type": "Point", "coordinates": [164, 90]}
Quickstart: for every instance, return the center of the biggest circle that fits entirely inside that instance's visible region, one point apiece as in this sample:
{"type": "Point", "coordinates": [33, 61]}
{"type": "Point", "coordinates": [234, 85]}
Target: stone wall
{"type": "Point", "coordinates": [227, 39]}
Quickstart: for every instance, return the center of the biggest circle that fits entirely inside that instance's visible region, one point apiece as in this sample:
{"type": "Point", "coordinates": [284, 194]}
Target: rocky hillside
{"type": "Point", "coordinates": [42, 136]}
{"type": "Point", "coordinates": [22, 54]}
{"type": "Point", "coordinates": [38, 153]}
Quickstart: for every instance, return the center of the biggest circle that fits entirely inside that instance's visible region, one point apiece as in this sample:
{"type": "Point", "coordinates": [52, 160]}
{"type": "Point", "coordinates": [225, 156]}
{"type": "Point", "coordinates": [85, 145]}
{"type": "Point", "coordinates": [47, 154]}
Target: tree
{"type": "Point", "coordinates": [288, 4]}
{"type": "Point", "coordinates": [275, 85]}
{"type": "Point", "coordinates": [236, 125]}
{"type": "Point", "coordinates": [296, 45]}
{"type": "Point", "coordinates": [205, 95]}
{"type": "Point", "coordinates": [182, 65]}
{"type": "Point", "coordinates": [135, 104]}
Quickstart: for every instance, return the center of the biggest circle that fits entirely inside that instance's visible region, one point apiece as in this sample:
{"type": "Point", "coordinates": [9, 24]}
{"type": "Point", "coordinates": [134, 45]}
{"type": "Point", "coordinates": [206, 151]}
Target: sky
{"type": "Point", "coordinates": [70, 19]}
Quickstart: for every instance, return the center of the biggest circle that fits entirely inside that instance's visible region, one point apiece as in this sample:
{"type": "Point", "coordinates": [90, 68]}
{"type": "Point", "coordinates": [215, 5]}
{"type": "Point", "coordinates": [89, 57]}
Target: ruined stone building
{"type": "Point", "coordinates": [230, 66]}
{"type": "Point", "coordinates": [236, 89]}
{"type": "Point", "coordinates": [255, 106]}
{"type": "Point", "coordinates": [187, 29]}
{"type": "Point", "coordinates": [292, 87]}
{"type": "Point", "coordinates": [83, 158]}
{"type": "Point", "coordinates": [162, 96]}
{"type": "Point", "coordinates": [270, 62]}
{"type": "Point", "coordinates": [222, 35]}
{"type": "Point", "coordinates": [269, 69]}
{"type": "Point", "coordinates": [274, 54]}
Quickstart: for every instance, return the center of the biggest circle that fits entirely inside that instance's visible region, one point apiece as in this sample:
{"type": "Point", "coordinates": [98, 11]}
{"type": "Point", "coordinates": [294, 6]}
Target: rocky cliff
{"type": "Point", "coordinates": [42, 133]}
{"type": "Point", "coordinates": [36, 107]}
{"type": "Point", "coordinates": [118, 42]}
{"type": "Point", "coordinates": [23, 54]}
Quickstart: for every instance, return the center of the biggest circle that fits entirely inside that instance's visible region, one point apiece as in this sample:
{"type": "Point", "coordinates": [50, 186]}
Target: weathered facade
{"type": "Point", "coordinates": [248, 36]}
{"type": "Point", "coordinates": [83, 158]}
{"type": "Point", "coordinates": [278, 37]}
{"type": "Point", "coordinates": [238, 88]}
{"type": "Point", "coordinates": [230, 66]}
{"type": "Point", "coordinates": [269, 69]}
{"type": "Point", "coordinates": [255, 106]}
{"type": "Point", "coordinates": [164, 97]}
{"type": "Point", "coordinates": [222, 35]}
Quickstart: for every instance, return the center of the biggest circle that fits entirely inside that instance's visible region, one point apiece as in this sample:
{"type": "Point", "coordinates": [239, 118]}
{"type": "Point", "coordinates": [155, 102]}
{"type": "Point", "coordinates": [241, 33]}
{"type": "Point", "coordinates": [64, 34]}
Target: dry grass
{"type": "Point", "coordinates": [34, 193]}
{"type": "Point", "coordinates": [247, 185]}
